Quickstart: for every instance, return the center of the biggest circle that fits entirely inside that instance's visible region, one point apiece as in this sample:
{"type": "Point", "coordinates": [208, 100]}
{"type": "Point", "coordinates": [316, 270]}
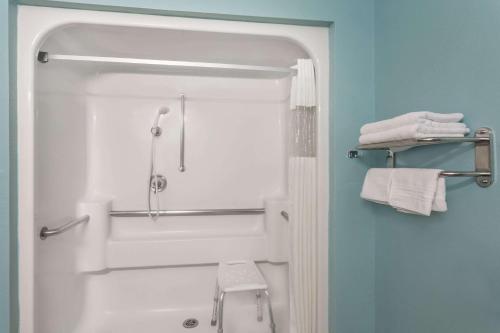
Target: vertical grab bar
{"type": "Point", "coordinates": [182, 167]}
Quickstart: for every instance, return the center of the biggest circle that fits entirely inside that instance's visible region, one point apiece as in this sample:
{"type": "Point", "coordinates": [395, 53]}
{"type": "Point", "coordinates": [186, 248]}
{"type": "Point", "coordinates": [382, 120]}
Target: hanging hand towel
{"type": "Point", "coordinates": [415, 131]}
{"type": "Point", "coordinates": [416, 190]}
{"type": "Point", "coordinates": [410, 118]}
{"type": "Point", "coordinates": [439, 204]}
{"type": "Point", "coordinates": [379, 183]}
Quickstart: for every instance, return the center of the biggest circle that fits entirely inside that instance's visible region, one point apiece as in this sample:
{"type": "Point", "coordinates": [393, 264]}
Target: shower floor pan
{"type": "Point", "coordinates": [236, 320]}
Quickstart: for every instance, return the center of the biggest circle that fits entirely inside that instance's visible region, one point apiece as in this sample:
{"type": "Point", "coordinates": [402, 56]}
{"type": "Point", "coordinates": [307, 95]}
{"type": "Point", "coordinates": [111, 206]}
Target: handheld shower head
{"type": "Point", "coordinates": [156, 130]}
{"type": "Point", "coordinates": [163, 110]}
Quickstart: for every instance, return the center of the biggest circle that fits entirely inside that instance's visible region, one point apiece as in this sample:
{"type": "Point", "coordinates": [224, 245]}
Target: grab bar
{"type": "Point", "coordinates": [46, 232]}
{"type": "Point", "coordinates": [182, 167]}
{"type": "Point", "coordinates": [196, 212]}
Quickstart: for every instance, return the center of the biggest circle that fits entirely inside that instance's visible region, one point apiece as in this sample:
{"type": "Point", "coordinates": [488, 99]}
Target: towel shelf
{"type": "Point", "coordinates": [482, 139]}
{"type": "Point", "coordinates": [419, 142]}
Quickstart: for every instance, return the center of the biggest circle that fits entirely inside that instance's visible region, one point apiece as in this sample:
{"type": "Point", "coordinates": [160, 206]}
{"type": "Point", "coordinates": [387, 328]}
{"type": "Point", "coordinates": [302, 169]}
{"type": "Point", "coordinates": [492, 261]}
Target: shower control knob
{"type": "Point", "coordinates": [156, 131]}
{"type": "Point", "coordinates": [158, 183]}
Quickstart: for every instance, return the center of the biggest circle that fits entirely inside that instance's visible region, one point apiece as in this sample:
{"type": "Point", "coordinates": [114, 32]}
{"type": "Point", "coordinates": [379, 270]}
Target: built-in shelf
{"type": "Point", "coordinates": [178, 67]}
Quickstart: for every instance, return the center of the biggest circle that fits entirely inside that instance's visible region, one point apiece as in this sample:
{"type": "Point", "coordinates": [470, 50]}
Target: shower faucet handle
{"type": "Point", "coordinates": [156, 131]}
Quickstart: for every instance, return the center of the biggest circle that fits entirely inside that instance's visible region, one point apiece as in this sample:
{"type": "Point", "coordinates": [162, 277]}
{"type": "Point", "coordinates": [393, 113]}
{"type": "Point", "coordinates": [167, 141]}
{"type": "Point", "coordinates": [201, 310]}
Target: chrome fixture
{"type": "Point", "coordinates": [352, 154]}
{"type": "Point", "coordinates": [271, 71]}
{"type": "Point", "coordinates": [182, 167]}
{"type": "Point", "coordinates": [190, 323]}
{"type": "Point", "coordinates": [46, 232]}
{"type": "Point", "coordinates": [158, 183]}
{"type": "Point", "coordinates": [43, 57]}
{"type": "Point", "coordinates": [482, 139]}
{"type": "Point", "coordinates": [285, 215]}
{"type": "Point", "coordinates": [156, 130]}
{"type": "Point", "coordinates": [195, 212]}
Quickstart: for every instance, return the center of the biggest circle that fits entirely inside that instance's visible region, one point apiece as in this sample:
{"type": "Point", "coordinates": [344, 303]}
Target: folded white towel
{"type": "Point", "coordinates": [411, 118]}
{"type": "Point", "coordinates": [414, 131]}
{"type": "Point", "coordinates": [425, 122]}
{"type": "Point", "coordinates": [407, 190]}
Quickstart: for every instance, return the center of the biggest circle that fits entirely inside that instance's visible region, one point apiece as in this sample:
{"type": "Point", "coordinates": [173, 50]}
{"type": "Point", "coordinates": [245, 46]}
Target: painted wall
{"type": "Point", "coordinates": [440, 274]}
{"type": "Point", "coordinates": [352, 228]}
{"type": "Point", "coordinates": [4, 166]}
{"type": "Point", "coordinates": [8, 247]}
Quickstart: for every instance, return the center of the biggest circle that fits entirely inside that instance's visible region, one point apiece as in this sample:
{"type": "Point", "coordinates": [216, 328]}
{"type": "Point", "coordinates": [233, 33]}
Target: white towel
{"type": "Point", "coordinates": [411, 118]}
{"type": "Point", "coordinates": [414, 190]}
{"type": "Point", "coordinates": [439, 204]}
{"type": "Point", "coordinates": [408, 190]}
{"type": "Point", "coordinates": [428, 123]}
{"type": "Point", "coordinates": [414, 131]}
{"type": "Point", "coordinates": [377, 185]}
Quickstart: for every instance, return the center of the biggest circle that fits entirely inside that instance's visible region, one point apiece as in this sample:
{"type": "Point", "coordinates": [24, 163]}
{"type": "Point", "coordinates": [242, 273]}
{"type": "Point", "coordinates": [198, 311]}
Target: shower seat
{"type": "Point", "coordinates": [238, 276]}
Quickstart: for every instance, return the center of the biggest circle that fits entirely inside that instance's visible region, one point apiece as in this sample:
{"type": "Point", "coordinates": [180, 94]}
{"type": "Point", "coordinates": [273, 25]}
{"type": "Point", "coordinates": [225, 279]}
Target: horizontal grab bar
{"type": "Point", "coordinates": [195, 212]}
{"type": "Point", "coordinates": [46, 232]}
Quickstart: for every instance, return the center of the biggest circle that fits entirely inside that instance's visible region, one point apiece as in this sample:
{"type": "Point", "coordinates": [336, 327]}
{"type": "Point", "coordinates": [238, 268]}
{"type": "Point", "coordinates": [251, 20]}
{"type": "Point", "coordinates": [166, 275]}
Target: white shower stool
{"type": "Point", "coordinates": [235, 276]}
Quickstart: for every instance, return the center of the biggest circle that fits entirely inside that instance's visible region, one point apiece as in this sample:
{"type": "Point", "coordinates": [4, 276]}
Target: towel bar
{"type": "Point", "coordinates": [482, 139]}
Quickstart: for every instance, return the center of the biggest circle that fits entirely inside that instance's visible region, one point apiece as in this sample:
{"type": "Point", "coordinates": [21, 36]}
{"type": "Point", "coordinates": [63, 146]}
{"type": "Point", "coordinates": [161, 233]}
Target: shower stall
{"type": "Point", "coordinates": [152, 148]}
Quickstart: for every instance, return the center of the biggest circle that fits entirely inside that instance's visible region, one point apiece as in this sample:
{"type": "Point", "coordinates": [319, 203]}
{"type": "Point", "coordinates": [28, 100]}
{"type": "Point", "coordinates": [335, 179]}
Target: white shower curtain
{"type": "Point", "coordinates": [303, 201]}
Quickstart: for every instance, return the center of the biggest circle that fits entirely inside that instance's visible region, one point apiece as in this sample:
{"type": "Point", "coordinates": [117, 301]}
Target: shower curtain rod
{"type": "Point", "coordinates": [195, 212]}
{"type": "Point", "coordinates": [45, 57]}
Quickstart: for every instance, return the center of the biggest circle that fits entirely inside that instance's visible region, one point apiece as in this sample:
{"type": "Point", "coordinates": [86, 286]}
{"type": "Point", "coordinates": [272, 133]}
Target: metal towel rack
{"type": "Point", "coordinates": [46, 232]}
{"type": "Point", "coordinates": [482, 139]}
{"type": "Point", "coordinates": [195, 212]}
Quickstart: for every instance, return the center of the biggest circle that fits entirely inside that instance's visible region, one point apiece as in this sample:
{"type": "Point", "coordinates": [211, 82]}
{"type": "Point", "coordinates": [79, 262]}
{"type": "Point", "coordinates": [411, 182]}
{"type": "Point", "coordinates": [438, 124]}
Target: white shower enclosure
{"type": "Point", "coordinates": [90, 85]}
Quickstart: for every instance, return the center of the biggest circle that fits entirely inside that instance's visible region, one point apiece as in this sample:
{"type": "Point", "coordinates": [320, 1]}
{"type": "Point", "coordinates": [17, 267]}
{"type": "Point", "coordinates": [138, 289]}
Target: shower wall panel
{"type": "Point", "coordinates": [85, 145]}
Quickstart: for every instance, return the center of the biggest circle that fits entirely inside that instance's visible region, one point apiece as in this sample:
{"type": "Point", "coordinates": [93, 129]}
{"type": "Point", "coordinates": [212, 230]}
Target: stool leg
{"type": "Point", "coordinates": [216, 301]}
{"type": "Point", "coordinates": [221, 311]}
{"type": "Point", "coordinates": [271, 317]}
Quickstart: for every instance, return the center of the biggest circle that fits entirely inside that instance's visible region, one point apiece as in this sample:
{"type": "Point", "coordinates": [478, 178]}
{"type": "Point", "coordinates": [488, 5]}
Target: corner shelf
{"type": "Point", "coordinates": [482, 139]}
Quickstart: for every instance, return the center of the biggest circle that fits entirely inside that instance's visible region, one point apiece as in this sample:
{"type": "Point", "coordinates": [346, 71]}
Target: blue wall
{"type": "Point", "coordinates": [8, 251]}
{"type": "Point", "coordinates": [440, 274]}
{"type": "Point", "coordinates": [352, 41]}
{"type": "Point", "coordinates": [4, 167]}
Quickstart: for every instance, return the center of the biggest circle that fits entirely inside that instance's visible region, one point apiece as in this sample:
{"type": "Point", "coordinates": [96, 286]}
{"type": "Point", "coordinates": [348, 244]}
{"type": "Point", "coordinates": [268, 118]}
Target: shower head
{"type": "Point", "coordinates": [163, 110]}
{"type": "Point", "coordinates": [156, 130]}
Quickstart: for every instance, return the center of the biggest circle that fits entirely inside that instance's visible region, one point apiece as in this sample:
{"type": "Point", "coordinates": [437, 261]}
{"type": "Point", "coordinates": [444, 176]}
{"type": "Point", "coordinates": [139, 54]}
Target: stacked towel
{"type": "Point", "coordinates": [415, 191]}
{"type": "Point", "coordinates": [414, 125]}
